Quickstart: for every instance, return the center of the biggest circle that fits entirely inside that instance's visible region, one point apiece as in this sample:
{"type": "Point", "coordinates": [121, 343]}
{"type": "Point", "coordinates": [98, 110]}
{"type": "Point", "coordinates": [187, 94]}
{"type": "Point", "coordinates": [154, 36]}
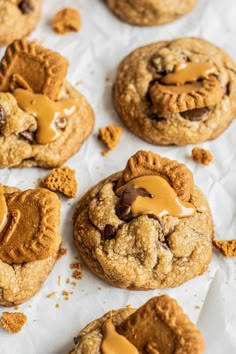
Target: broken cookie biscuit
{"type": "Point", "coordinates": [130, 229]}
{"type": "Point", "coordinates": [43, 119]}
{"type": "Point", "coordinates": [176, 92]}
{"type": "Point", "coordinates": [110, 136]}
{"type": "Point", "coordinates": [62, 180]}
{"type": "Point", "coordinates": [66, 20]}
{"type": "Point", "coordinates": [202, 156]}
{"type": "Point", "coordinates": [226, 247]}
{"type": "Point", "coordinates": [13, 322]}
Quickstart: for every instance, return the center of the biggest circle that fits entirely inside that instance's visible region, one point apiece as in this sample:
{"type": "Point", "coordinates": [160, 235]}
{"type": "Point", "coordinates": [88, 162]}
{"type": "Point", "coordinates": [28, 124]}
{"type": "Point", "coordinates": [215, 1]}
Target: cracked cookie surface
{"type": "Point", "coordinates": [18, 18]}
{"type": "Point", "coordinates": [178, 114]}
{"type": "Point", "coordinates": [150, 12]}
{"type": "Point", "coordinates": [144, 252]}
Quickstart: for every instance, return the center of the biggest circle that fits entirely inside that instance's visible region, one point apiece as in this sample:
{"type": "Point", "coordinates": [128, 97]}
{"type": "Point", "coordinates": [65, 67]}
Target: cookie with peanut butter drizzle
{"type": "Point", "coordinates": [45, 119]}
{"type": "Point", "coordinates": [145, 227]}
{"type": "Point", "coordinates": [158, 327]}
{"type": "Point", "coordinates": [29, 241]}
{"type": "Point", "coordinates": [176, 92]}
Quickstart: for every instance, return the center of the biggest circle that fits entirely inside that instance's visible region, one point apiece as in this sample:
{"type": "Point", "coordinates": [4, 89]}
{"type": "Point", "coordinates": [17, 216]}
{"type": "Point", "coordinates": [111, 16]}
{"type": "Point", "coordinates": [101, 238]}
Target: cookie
{"type": "Point", "coordinates": [66, 20]}
{"type": "Point", "coordinates": [25, 262]}
{"type": "Point", "coordinates": [159, 326]}
{"type": "Point", "coordinates": [150, 12]}
{"type": "Point", "coordinates": [176, 92]}
{"type": "Point", "coordinates": [18, 18]}
{"type": "Point", "coordinates": [43, 119]}
{"type": "Point", "coordinates": [145, 227]}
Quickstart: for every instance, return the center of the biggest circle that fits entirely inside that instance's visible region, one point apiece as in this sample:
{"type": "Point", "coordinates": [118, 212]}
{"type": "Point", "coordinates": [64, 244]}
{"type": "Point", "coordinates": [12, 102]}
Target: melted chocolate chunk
{"type": "Point", "coordinates": [127, 198]}
{"type": "Point", "coordinates": [3, 117]}
{"type": "Point", "coordinates": [156, 117]}
{"type": "Point", "coordinates": [195, 115]}
{"type": "Point", "coordinates": [109, 232]}
{"type": "Point", "coordinates": [28, 135]}
{"type": "Point", "coordinates": [26, 6]}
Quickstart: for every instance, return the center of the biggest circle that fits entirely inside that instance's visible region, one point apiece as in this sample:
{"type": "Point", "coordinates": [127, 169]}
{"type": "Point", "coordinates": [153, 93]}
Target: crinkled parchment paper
{"type": "Point", "coordinates": [94, 54]}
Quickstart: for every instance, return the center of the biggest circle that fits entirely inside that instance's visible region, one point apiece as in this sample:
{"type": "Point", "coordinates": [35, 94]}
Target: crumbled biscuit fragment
{"type": "Point", "coordinates": [66, 20]}
{"type": "Point", "coordinates": [17, 308]}
{"type": "Point", "coordinates": [110, 136]}
{"type": "Point", "coordinates": [68, 281]}
{"type": "Point", "coordinates": [51, 294]}
{"type": "Point", "coordinates": [226, 247]}
{"type": "Point", "coordinates": [65, 293]}
{"type": "Point", "coordinates": [74, 283]}
{"type": "Point", "coordinates": [62, 252]}
{"type": "Point", "coordinates": [59, 280]}
{"type": "Point", "coordinates": [13, 322]}
{"type": "Point", "coordinates": [62, 180]}
{"type": "Point", "coordinates": [75, 266]}
{"type": "Point", "coordinates": [57, 305]}
{"type": "Point", "coordinates": [203, 156]}
{"type": "Point", "coordinates": [77, 275]}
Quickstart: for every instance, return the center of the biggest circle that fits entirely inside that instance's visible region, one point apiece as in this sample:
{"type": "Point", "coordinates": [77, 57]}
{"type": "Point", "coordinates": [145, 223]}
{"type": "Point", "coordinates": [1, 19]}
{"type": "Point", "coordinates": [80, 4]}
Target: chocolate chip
{"type": "Point", "coordinates": [76, 339]}
{"type": "Point", "coordinates": [3, 117]}
{"type": "Point", "coordinates": [127, 198]}
{"type": "Point", "coordinates": [156, 117]}
{"type": "Point", "coordinates": [109, 232]}
{"type": "Point", "coordinates": [28, 135]}
{"type": "Point", "coordinates": [26, 6]}
{"type": "Point", "coordinates": [61, 123]}
{"type": "Point", "coordinates": [195, 115]}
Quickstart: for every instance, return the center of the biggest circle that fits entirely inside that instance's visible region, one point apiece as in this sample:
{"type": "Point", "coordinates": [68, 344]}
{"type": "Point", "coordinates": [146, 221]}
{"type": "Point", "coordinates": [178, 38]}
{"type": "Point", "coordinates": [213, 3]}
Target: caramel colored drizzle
{"type": "Point", "coordinates": [46, 112]}
{"type": "Point", "coordinates": [113, 342]}
{"type": "Point", "coordinates": [3, 209]}
{"type": "Point", "coordinates": [188, 72]}
{"type": "Point", "coordinates": [162, 200]}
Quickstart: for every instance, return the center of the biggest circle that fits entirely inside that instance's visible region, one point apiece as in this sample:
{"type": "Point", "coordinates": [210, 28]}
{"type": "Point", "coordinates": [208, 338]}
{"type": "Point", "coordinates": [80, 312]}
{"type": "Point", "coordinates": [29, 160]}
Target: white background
{"type": "Point", "coordinates": [94, 54]}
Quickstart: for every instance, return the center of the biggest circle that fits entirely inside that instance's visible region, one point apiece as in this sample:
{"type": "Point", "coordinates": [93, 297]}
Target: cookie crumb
{"type": "Point", "coordinates": [62, 252]}
{"type": "Point", "coordinates": [226, 247]}
{"type": "Point", "coordinates": [76, 266]}
{"type": "Point", "coordinates": [74, 283]}
{"type": "Point", "coordinates": [57, 306]}
{"type": "Point", "coordinates": [202, 156]}
{"type": "Point", "coordinates": [68, 281]}
{"type": "Point", "coordinates": [13, 322]}
{"type": "Point", "coordinates": [197, 307]}
{"type": "Point", "coordinates": [77, 275]}
{"type": "Point", "coordinates": [66, 20]}
{"type": "Point", "coordinates": [110, 136]}
{"type": "Point", "coordinates": [53, 293]}
{"type": "Point", "coordinates": [17, 307]}
{"type": "Point", "coordinates": [59, 280]}
{"type": "Point", "coordinates": [63, 180]}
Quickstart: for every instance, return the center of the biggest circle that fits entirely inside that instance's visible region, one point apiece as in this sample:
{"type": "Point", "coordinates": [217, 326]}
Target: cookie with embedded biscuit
{"type": "Point", "coordinates": [145, 227]}
{"type": "Point", "coordinates": [43, 119]}
{"type": "Point", "coordinates": [18, 18]}
{"type": "Point", "coordinates": [29, 241]}
{"type": "Point", "coordinates": [159, 326]}
{"type": "Point", "coordinates": [150, 12]}
{"type": "Point", "coordinates": [176, 92]}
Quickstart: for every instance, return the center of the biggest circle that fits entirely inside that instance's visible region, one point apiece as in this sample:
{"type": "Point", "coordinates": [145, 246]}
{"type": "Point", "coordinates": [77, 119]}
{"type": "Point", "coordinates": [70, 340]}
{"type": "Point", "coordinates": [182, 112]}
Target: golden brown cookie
{"type": "Point", "coordinates": [66, 20]}
{"type": "Point", "coordinates": [13, 322]}
{"type": "Point", "coordinates": [132, 238]}
{"type": "Point", "coordinates": [43, 119]}
{"type": "Point", "coordinates": [158, 327]}
{"type": "Point", "coordinates": [18, 18]}
{"type": "Point", "coordinates": [176, 92]}
{"type": "Point", "coordinates": [25, 262]}
{"type": "Point", "coordinates": [150, 12]}
{"type": "Point", "coordinates": [62, 180]}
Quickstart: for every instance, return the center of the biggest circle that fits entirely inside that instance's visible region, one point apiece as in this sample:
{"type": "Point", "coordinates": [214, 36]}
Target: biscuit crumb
{"type": "Point", "coordinates": [59, 280]}
{"type": "Point", "coordinates": [110, 136]}
{"type": "Point", "coordinates": [66, 20]}
{"type": "Point", "coordinates": [13, 322]}
{"type": "Point", "coordinates": [77, 275]}
{"type": "Point", "coordinates": [74, 283]}
{"type": "Point", "coordinates": [65, 293]}
{"type": "Point", "coordinates": [227, 248]}
{"type": "Point", "coordinates": [17, 307]}
{"type": "Point", "coordinates": [63, 180]}
{"type": "Point", "coordinates": [53, 293]}
{"type": "Point", "coordinates": [197, 307]}
{"type": "Point", "coordinates": [75, 266]}
{"type": "Point", "coordinates": [68, 281]}
{"type": "Point", "coordinates": [202, 156]}
{"type": "Point", "coordinates": [57, 305]}
{"type": "Point", "coordinates": [62, 252]}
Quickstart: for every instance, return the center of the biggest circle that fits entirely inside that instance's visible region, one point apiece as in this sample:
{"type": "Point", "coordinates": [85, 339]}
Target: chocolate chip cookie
{"type": "Point", "coordinates": [18, 18]}
{"type": "Point", "coordinates": [43, 119]}
{"type": "Point", "coordinates": [150, 12]}
{"type": "Point", "coordinates": [176, 92]}
{"type": "Point", "coordinates": [26, 261]}
{"type": "Point", "coordinates": [145, 227]}
{"type": "Point", "coordinates": [158, 327]}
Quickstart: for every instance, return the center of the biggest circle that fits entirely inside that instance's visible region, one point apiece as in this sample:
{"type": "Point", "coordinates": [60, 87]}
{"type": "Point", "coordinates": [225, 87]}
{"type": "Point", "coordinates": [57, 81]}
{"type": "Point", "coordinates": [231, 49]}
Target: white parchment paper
{"type": "Point", "coordinates": [94, 54]}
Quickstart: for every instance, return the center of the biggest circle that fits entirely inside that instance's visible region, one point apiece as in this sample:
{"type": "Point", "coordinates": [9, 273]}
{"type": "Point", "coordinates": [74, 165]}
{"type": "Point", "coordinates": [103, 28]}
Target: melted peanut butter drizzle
{"type": "Point", "coordinates": [163, 200]}
{"type": "Point", "coordinates": [3, 209]}
{"type": "Point", "coordinates": [46, 112]}
{"type": "Point", "coordinates": [188, 72]}
{"type": "Point", "coordinates": [113, 342]}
